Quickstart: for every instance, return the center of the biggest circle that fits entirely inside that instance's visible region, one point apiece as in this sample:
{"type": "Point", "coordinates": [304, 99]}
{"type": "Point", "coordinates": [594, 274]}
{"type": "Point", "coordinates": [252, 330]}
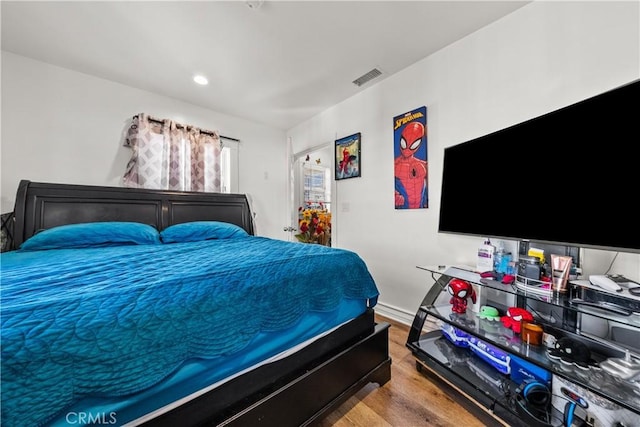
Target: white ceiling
{"type": "Point", "coordinates": [278, 64]}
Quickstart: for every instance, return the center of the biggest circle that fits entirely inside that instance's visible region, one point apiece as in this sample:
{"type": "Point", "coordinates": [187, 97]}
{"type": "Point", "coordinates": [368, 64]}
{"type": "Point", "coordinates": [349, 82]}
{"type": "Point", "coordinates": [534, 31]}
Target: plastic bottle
{"type": "Point", "coordinates": [497, 257]}
{"type": "Point", "coordinates": [501, 261]}
{"type": "Point", "coordinates": [486, 254]}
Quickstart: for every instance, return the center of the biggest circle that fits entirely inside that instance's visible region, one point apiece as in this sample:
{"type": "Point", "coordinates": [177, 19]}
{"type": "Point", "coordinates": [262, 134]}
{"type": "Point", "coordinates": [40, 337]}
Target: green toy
{"type": "Point", "coordinates": [489, 313]}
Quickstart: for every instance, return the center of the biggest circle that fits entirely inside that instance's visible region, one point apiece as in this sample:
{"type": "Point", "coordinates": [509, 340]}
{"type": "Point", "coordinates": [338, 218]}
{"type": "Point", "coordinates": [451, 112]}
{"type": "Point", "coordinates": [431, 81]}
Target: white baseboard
{"type": "Point", "coordinates": [394, 313]}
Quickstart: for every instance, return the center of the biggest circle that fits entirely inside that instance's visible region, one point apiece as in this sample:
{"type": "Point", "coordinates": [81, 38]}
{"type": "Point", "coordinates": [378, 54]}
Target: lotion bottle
{"type": "Point", "coordinates": [486, 254]}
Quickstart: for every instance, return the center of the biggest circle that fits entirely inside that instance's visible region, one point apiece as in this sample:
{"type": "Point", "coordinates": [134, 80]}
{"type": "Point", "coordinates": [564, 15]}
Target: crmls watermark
{"type": "Point", "coordinates": [98, 418]}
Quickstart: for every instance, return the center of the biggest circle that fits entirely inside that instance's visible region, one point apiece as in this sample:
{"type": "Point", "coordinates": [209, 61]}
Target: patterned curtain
{"type": "Point", "coordinates": [169, 156]}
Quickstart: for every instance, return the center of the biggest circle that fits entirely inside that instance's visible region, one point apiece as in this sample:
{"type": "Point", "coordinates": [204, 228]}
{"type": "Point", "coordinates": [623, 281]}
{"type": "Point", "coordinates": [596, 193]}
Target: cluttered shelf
{"type": "Point", "coordinates": [528, 333]}
{"type": "Point", "coordinates": [495, 388]}
{"type": "Point", "coordinates": [580, 297]}
{"type": "Point", "coordinates": [501, 341]}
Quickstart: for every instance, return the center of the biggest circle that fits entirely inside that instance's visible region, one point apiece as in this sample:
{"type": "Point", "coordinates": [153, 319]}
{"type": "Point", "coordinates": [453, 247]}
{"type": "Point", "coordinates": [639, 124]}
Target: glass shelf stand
{"type": "Point", "coordinates": [434, 349]}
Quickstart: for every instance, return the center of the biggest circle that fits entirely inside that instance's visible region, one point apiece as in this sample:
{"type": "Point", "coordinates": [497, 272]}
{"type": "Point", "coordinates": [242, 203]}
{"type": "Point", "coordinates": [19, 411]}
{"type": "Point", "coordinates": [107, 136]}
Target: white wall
{"type": "Point", "coordinates": [541, 57]}
{"type": "Point", "coordinates": [63, 126]}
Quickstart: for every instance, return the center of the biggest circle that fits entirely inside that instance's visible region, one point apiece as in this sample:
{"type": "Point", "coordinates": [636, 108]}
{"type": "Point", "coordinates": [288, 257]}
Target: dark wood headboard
{"type": "Point", "coordinates": [41, 205]}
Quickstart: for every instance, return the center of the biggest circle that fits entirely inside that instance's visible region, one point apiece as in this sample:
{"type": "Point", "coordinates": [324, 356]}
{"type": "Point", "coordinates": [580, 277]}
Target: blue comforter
{"type": "Point", "coordinates": [113, 321]}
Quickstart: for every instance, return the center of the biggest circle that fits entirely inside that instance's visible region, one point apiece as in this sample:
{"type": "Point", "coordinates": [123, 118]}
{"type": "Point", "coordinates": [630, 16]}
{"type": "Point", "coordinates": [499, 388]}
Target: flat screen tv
{"type": "Point", "coordinates": [569, 177]}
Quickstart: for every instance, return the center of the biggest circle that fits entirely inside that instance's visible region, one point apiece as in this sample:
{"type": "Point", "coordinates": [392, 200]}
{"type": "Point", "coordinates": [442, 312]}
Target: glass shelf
{"type": "Point", "coordinates": [569, 301]}
{"type": "Point", "coordinates": [495, 386]}
{"type": "Point", "coordinates": [556, 312]}
{"type": "Point", "coordinates": [493, 332]}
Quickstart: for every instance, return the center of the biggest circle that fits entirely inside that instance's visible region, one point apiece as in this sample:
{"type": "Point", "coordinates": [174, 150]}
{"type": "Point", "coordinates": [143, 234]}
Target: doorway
{"type": "Point", "coordinates": [312, 184]}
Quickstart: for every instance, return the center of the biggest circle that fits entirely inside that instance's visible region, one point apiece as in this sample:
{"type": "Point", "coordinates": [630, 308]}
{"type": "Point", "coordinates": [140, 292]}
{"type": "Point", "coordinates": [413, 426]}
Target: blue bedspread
{"type": "Point", "coordinates": [117, 320]}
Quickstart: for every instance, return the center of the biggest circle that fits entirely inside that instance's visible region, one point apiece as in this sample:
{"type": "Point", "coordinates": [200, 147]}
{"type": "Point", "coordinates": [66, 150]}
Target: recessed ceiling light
{"type": "Point", "coordinates": [201, 80]}
{"type": "Point", "coordinates": [254, 4]}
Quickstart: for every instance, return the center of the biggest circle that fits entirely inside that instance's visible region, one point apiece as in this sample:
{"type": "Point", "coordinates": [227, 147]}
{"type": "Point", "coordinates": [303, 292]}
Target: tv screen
{"type": "Point", "coordinates": [569, 177]}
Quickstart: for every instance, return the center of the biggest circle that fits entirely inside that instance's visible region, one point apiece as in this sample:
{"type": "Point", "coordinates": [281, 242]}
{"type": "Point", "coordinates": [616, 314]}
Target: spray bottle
{"type": "Point", "coordinates": [486, 254]}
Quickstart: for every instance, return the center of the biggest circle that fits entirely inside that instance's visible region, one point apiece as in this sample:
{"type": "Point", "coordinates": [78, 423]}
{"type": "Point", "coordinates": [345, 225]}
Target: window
{"type": "Point", "coordinates": [170, 156]}
{"type": "Point", "coordinates": [229, 167]}
{"type": "Point", "coordinates": [317, 186]}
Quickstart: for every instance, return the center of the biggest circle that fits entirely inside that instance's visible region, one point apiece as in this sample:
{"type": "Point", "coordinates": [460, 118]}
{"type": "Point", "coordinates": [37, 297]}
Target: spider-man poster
{"type": "Point", "coordinates": [410, 159]}
{"type": "Point", "coordinates": [348, 156]}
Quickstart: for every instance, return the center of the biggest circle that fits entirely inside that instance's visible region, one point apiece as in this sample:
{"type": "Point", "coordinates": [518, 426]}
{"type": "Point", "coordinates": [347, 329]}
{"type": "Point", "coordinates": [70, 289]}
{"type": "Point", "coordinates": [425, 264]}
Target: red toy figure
{"type": "Point", "coordinates": [514, 317]}
{"type": "Point", "coordinates": [460, 290]}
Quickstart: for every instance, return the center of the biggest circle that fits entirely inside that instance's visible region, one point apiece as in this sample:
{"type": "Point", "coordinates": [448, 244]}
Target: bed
{"type": "Point", "coordinates": [129, 306]}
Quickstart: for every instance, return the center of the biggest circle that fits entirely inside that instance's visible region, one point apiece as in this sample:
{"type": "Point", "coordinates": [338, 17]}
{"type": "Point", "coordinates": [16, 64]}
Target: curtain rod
{"type": "Point", "coordinates": [208, 132]}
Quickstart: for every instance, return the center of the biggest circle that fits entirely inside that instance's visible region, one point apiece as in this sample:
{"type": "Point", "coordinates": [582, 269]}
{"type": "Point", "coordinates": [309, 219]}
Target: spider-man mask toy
{"type": "Point", "coordinates": [514, 318]}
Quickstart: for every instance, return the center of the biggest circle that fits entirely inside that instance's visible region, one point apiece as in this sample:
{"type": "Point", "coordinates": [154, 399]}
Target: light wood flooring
{"type": "Point", "coordinates": [409, 399]}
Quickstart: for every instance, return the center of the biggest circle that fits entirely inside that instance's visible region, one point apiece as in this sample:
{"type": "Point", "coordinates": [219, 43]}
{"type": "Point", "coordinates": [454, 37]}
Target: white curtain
{"type": "Point", "coordinates": [170, 156]}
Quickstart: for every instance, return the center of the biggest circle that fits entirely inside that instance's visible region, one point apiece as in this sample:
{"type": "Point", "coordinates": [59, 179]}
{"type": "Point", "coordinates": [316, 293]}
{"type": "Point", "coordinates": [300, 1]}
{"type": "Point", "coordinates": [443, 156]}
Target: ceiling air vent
{"type": "Point", "coordinates": [366, 77]}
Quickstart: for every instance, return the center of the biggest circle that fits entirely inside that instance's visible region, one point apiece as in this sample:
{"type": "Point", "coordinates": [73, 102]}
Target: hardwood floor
{"type": "Point", "coordinates": [409, 399]}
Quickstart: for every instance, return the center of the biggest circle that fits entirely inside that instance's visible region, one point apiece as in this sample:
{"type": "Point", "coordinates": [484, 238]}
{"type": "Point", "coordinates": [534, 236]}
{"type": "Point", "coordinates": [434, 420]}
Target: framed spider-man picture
{"type": "Point", "coordinates": [347, 155]}
{"type": "Point", "coordinates": [411, 173]}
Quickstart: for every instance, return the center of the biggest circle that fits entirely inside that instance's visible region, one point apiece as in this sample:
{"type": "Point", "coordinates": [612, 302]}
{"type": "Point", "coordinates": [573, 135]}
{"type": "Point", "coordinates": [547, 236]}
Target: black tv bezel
{"type": "Point", "coordinates": [522, 202]}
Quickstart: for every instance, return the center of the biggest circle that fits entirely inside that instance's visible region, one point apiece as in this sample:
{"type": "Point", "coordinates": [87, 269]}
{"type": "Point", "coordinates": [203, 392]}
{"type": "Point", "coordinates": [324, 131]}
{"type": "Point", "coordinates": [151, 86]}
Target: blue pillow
{"type": "Point", "coordinates": [201, 230]}
{"type": "Point", "coordinates": [92, 234]}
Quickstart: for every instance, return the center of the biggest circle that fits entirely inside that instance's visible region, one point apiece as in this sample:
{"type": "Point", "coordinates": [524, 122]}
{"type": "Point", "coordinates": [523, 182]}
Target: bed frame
{"type": "Point", "coordinates": [298, 390]}
{"type": "Point", "coordinates": [40, 206]}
